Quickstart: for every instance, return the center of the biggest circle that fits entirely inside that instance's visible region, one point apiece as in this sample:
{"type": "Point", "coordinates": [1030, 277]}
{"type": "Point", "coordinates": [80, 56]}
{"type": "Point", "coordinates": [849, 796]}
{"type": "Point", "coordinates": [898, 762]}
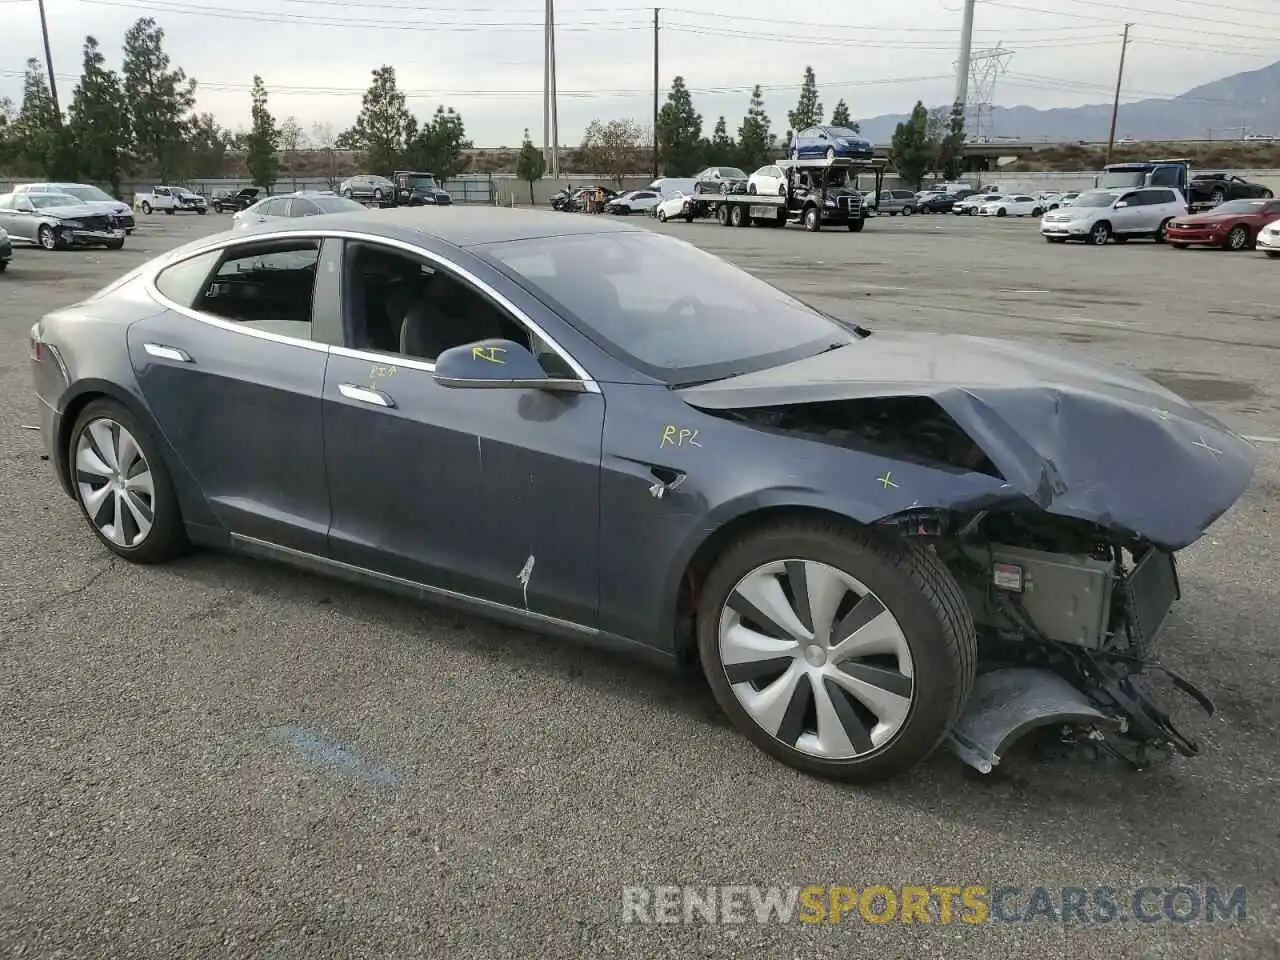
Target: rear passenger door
{"type": "Point", "coordinates": [233, 377]}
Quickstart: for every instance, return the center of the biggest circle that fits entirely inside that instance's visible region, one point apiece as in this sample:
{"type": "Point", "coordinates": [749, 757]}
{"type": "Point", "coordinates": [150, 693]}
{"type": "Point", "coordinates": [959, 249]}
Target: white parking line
{"type": "Point", "coordinates": [1263, 439]}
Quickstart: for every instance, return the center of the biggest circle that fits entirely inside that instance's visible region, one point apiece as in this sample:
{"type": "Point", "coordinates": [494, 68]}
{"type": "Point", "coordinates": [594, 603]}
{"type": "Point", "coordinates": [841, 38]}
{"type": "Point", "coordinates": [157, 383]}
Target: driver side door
{"type": "Point", "coordinates": [489, 494]}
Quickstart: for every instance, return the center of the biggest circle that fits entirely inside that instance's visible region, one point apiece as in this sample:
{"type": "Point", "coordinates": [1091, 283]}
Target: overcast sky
{"type": "Point", "coordinates": [486, 59]}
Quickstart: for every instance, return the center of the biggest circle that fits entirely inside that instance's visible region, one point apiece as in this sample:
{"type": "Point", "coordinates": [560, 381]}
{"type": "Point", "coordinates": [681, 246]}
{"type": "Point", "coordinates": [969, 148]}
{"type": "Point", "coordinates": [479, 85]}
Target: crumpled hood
{"type": "Point", "coordinates": [70, 211]}
{"type": "Point", "coordinates": [107, 206]}
{"type": "Point", "coordinates": [1079, 438]}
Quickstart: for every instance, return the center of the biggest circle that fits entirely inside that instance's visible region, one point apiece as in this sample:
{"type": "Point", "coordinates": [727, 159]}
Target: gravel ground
{"type": "Point", "coordinates": [223, 758]}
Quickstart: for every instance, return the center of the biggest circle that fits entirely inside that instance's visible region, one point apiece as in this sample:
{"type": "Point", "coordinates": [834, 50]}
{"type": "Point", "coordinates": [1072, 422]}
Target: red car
{"type": "Point", "coordinates": [1233, 225]}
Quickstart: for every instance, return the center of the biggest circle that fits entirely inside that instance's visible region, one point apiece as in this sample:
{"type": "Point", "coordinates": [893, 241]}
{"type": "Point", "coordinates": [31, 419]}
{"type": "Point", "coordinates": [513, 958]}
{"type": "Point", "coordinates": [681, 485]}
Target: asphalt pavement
{"type": "Point", "coordinates": [225, 758]}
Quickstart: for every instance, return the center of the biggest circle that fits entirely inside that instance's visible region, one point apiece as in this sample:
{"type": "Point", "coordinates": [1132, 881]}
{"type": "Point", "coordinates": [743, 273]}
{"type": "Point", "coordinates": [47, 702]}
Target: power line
{"type": "Point", "coordinates": [863, 43]}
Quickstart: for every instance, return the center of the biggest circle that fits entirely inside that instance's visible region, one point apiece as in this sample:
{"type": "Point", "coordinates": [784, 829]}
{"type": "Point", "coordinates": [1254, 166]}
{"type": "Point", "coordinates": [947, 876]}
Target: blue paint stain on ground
{"type": "Point", "coordinates": [334, 756]}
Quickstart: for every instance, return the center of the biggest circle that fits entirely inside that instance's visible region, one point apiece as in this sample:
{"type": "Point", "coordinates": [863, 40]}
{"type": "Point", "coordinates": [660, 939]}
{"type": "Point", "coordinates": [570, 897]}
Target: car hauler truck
{"type": "Point", "coordinates": [818, 193]}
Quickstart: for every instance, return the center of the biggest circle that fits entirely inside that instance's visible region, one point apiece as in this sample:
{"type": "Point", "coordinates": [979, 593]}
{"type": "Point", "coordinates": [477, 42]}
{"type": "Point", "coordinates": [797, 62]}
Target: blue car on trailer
{"type": "Point", "coordinates": [830, 143]}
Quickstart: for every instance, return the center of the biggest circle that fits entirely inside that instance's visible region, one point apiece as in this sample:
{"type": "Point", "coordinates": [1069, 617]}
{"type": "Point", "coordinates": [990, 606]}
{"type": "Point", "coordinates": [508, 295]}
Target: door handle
{"type": "Point", "coordinates": [167, 353]}
{"type": "Point", "coordinates": [365, 395]}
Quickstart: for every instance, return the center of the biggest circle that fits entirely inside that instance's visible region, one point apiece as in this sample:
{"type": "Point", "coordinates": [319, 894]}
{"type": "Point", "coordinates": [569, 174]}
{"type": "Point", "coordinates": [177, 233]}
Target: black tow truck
{"type": "Point", "coordinates": [818, 193]}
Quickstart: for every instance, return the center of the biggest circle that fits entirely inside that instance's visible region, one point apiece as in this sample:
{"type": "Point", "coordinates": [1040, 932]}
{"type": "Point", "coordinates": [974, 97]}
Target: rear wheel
{"type": "Point", "coordinates": [722, 214]}
{"type": "Point", "coordinates": [115, 244]}
{"type": "Point", "coordinates": [146, 208]}
{"type": "Point", "coordinates": [908, 211]}
{"type": "Point", "coordinates": [1162, 231]}
{"type": "Point", "coordinates": [737, 217]}
{"type": "Point", "coordinates": [122, 485]}
{"type": "Point", "coordinates": [751, 188]}
{"type": "Point", "coordinates": [1036, 211]}
{"type": "Point", "coordinates": [839, 652]}
{"type": "Point", "coordinates": [1237, 239]}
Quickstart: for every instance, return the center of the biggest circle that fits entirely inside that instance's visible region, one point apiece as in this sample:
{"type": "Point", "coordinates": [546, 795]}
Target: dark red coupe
{"type": "Point", "coordinates": [1233, 225]}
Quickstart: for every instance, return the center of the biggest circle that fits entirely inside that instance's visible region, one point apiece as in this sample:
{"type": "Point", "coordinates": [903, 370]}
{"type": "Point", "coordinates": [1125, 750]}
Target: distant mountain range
{"type": "Point", "coordinates": [1217, 110]}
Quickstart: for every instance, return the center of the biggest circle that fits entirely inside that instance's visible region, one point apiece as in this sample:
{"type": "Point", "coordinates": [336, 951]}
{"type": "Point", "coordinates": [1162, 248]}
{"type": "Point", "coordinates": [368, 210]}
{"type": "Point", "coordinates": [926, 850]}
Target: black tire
{"type": "Point", "coordinates": [751, 188]}
{"type": "Point", "coordinates": [201, 210]}
{"type": "Point", "coordinates": [1002, 212]}
{"type": "Point", "coordinates": [115, 244]}
{"type": "Point", "coordinates": [812, 220]}
{"type": "Point", "coordinates": [46, 238]}
{"type": "Point", "coordinates": [737, 217]}
{"type": "Point", "coordinates": [1036, 212]}
{"type": "Point", "coordinates": [1178, 246]}
{"type": "Point", "coordinates": [1272, 254]}
{"type": "Point", "coordinates": [722, 214]}
{"type": "Point", "coordinates": [831, 153]}
{"type": "Point", "coordinates": [4, 265]}
{"type": "Point", "coordinates": [782, 189]}
{"type": "Point", "coordinates": [918, 591]}
{"type": "Point", "coordinates": [662, 216]}
{"type": "Point", "coordinates": [146, 208]}
{"type": "Point", "coordinates": [1267, 195]}
{"type": "Point", "coordinates": [908, 211]}
{"type": "Point", "coordinates": [1162, 231]}
{"type": "Point", "coordinates": [1217, 196]}
{"type": "Point", "coordinates": [1100, 233]}
{"type": "Point", "coordinates": [855, 226]}
{"type": "Point", "coordinates": [1238, 238]}
{"type": "Point", "coordinates": [168, 537]}
{"type": "Point", "coordinates": [169, 211]}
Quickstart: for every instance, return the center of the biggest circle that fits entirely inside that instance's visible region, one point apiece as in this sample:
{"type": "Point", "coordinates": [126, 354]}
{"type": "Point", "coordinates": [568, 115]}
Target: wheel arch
{"type": "Point", "coordinates": [191, 500]}
{"type": "Point", "coordinates": [698, 557]}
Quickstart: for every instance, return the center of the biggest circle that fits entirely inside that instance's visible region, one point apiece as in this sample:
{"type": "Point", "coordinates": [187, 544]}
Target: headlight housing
{"type": "Point", "coordinates": [72, 224]}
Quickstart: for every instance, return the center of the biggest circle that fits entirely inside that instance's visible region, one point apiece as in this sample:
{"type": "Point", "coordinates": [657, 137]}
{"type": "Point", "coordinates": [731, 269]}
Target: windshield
{"type": "Point", "coordinates": [732, 173]}
{"type": "Point", "coordinates": [1239, 206]}
{"type": "Point", "coordinates": [844, 132]}
{"type": "Point", "coordinates": [421, 180]}
{"type": "Point", "coordinates": [336, 204]}
{"type": "Point", "coordinates": [1094, 198]}
{"type": "Point", "coordinates": [1123, 178]}
{"type": "Point", "coordinates": [90, 193]}
{"type": "Point", "coordinates": [665, 307]}
{"type": "Point", "coordinates": [42, 200]}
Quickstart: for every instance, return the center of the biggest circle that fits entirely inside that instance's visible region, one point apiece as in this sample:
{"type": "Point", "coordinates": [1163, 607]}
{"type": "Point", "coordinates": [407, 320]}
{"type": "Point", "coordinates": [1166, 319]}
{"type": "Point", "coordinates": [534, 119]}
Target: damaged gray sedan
{"type": "Point", "coordinates": [871, 542]}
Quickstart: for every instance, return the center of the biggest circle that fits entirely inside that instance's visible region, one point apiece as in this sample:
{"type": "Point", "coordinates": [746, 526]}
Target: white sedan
{"type": "Point", "coordinates": [769, 181]}
{"type": "Point", "coordinates": [676, 204]}
{"type": "Point", "coordinates": [634, 201]}
{"type": "Point", "coordinates": [1014, 205]}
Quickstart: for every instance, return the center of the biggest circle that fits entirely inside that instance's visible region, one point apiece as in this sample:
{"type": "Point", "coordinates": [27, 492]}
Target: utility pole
{"type": "Point", "coordinates": [966, 51]}
{"type": "Point", "coordinates": [1115, 104]}
{"type": "Point", "coordinates": [546, 86]}
{"type": "Point", "coordinates": [555, 119]}
{"type": "Point", "coordinates": [48, 62]}
{"type": "Point", "coordinates": [655, 93]}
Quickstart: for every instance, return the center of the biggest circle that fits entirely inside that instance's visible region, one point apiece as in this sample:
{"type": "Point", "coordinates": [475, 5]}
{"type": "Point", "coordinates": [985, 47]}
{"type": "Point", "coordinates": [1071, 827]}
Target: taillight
{"type": "Point", "coordinates": [37, 344]}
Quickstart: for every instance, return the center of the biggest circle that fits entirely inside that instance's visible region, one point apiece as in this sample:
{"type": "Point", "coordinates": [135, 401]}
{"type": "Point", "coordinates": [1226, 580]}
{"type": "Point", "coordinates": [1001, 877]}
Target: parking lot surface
{"type": "Point", "coordinates": [227, 758]}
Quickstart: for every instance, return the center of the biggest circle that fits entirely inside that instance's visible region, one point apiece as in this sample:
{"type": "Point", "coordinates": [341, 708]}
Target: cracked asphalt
{"type": "Point", "coordinates": [224, 758]}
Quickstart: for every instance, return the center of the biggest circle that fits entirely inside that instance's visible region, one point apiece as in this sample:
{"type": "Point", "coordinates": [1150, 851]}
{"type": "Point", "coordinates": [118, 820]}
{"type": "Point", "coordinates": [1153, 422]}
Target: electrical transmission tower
{"type": "Point", "coordinates": [985, 67]}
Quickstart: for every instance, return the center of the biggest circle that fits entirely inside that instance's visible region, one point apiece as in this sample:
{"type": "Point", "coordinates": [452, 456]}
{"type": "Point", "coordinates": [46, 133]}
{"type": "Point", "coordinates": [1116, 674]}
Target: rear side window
{"type": "Point", "coordinates": [183, 281]}
{"type": "Point", "coordinates": [266, 287]}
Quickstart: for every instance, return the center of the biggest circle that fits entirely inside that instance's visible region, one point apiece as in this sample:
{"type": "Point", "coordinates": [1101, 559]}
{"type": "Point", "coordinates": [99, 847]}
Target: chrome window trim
{"type": "Point", "coordinates": [392, 359]}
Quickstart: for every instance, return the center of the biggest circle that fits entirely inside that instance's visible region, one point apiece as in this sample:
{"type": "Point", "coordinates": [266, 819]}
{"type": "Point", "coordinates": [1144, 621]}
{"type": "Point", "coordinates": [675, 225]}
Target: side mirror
{"type": "Point", "coordinates": [1121, 203]}
{"type": "Point", "coordinates": [497, 364]}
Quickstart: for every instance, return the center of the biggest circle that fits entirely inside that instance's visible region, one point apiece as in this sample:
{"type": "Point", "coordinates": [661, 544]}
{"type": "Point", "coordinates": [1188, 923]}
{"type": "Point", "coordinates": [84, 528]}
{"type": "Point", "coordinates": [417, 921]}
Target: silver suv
{"type": "Point", "coordinates": [1101, 215]}
{"type": "Point", "coordinates": [894, 202]}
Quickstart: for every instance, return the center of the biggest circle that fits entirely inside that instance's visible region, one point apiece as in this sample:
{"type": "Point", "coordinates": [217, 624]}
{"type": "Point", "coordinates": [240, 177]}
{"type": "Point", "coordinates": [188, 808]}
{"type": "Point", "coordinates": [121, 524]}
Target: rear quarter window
{"type": "Point", "coordinates": [183, 281]}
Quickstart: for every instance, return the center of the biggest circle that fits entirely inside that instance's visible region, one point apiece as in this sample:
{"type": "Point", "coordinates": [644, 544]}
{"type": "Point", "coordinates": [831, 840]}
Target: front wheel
{"type": "Point", "coordinates": [1100, 234]}
{"type": "Point", "coordinates": [123, 486]}
{"type": "Point", "coordinates": [201, 210]}
{"type": "Point", "coordinates": [751, 188]}
{"type": "Point", "coordinates": [1036, 211]}
{"type": "Point", "coordinates": [855, 226]}
{"type": "Point", "coordinates": [115, 244]}
{"type": "Point", "coordinates": [1272, 254]}
{"type": "Point", "coordinates": [46, 237]}
{"type": "Point", "coordinates": [146, 208]}
{"type": "Point", "coordinates": [838, 651]}
{"type": "Point", "coordinates": [662, 217]}
{"type": "Point", "coordinates": [812, 220]}
{"type": "Point", "coordinates": [1237, 239]}
{"type": "Point", "coordinates": [831, 153]}
{"type": "Point", "coordinates": [908, 211]}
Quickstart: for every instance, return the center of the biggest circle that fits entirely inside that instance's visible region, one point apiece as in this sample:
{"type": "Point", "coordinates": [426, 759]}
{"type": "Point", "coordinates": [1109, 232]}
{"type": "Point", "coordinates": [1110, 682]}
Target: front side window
{"type": "Point", "coordinates": [664, 306]}
{"type": "Point", "coordinates": [265, 286]}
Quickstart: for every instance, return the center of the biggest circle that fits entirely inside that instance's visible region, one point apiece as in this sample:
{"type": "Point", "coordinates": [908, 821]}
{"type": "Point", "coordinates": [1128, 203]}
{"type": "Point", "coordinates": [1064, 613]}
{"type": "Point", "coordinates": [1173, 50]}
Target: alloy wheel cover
{"type": "Point", "coordinates": [114, 483]}
{"type": "Point", "coordinates": [816, 660]}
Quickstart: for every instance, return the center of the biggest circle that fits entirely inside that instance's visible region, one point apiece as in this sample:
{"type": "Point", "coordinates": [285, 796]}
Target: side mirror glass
{"type": "Point", "coordinates": [497, 364]}
{"type": "Point", "coordinates": [1121, 203]}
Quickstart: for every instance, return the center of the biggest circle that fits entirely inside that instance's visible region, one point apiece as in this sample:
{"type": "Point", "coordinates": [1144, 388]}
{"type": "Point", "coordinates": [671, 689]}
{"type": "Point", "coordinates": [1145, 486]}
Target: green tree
{"type": "Point", "coordinates": [950, 162]}
{"type": "Point", "coordinates": [531, 165]}
{"type": "Point", "coordinates": [840, 117]}
{"type": "Point", "coordinates": [910, 150]}
{"type": "Point", "coordinates": [722, 149]}
{"type": "Point", "coordinates": [449, 143]}
{"type": "Point", "coordinates": [679, 133]}
{"type": "Point", "coordinates": [99, 119]}
{"type": "Point", "coordinates": [35, 129]}
{"type": "Point", "coordinates": [808, 111]}
{"type": "Point", "coordinates": [7, 143]}
{"type": "Point", "coordinates": [263, 139]}
{"type": "Point", "coordinates": [208, 147]}
{"type": "Point", "coordinates": [160, 99]}
{"type": "Point", "coordinates": [755, 142]}
{"type": "Point", "coordinates": [385, 125]}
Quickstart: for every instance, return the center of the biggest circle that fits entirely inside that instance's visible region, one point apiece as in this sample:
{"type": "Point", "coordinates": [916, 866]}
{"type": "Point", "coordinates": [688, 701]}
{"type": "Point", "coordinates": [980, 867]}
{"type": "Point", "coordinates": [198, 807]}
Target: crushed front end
{"type": "Point", "coordinates": [1068, 616]}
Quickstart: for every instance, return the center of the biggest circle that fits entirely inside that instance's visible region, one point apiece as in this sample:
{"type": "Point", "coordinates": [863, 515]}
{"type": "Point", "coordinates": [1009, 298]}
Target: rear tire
{"type": "Point", "coordinates": [889, 706]}
{"type": "Point", "coordinates": [908, 211]}
{"type": "Point", "coordinates": [105, 423]}
{"type": "Point", "coordinates": [146, 208]}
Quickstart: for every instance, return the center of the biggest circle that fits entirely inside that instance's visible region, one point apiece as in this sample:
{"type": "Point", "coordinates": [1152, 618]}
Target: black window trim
{"type": "Point", "coordinates": [323, 236]}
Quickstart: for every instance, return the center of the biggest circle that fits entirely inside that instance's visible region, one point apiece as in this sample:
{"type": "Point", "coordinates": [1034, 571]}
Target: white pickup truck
{"type": "Point", "coordinates": [170, 200]}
